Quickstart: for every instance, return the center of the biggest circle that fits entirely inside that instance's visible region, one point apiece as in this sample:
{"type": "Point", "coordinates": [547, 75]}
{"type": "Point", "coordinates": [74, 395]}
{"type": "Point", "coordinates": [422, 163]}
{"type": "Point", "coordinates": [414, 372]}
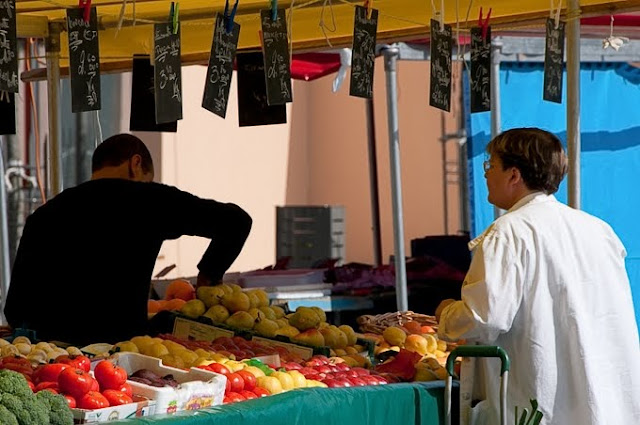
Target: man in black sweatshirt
{"type": "Point", "coordinates": [85, 259]}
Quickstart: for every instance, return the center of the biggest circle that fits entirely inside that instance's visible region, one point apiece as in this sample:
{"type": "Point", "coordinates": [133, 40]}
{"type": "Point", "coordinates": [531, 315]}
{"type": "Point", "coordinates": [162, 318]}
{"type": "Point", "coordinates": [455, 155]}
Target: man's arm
{"type": "Point", "coordinates": [491, 295]}
{"type": "Point", "coordinates": [226, 224]}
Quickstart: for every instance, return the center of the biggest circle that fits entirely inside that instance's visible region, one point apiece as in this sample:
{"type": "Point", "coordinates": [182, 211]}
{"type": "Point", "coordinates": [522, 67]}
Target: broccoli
{"type": "Point", "coordinates": [14, 383]}
{"type": "Point", "coordinates": [6, 417]}
{"type": "Point", "coordinates": [29, 410]}
{"type": "Point", "coordinates": [60, 413]}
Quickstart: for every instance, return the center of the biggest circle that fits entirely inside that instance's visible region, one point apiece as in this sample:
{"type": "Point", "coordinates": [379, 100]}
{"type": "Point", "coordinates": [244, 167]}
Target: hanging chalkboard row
{"type": "Point", "coordinates": [8, 47]}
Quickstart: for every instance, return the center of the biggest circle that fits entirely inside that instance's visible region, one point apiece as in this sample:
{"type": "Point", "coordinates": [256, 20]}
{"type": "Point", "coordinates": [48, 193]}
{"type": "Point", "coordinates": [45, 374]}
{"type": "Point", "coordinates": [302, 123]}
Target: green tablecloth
{"type": "Point", "coordinates": [406, 404]}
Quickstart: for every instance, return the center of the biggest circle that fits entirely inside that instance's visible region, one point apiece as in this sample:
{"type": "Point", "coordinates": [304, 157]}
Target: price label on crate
{"type": "Point", "coordinates": [304, 352]}
{"type": "Point", "coordinates": [188, 329]}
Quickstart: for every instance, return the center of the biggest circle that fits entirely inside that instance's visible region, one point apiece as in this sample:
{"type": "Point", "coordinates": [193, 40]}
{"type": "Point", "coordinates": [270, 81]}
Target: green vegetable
{"type": "Point", "coordinates": [14, 383]}
{"type": "Point", "coordinates": [6, 417]}
{"type": "Point", "coordinates": [28, 410]}
{"type": "Point", "coordinates": [60, 413]}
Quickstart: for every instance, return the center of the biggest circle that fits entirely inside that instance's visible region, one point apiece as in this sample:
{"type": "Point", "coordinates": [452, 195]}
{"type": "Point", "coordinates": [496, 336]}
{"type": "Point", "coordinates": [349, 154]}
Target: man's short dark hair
{"type": "Point", "coordinates": [120, 148]}
{"type": "Point", "coordinates": [537, 153]}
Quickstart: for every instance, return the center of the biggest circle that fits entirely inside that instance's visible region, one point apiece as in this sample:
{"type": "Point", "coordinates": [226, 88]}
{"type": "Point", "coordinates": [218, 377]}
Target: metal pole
{"type": "Point", "coordinates": [52, 46]}
{"type": "Point", "coordinates": [5, 270]}
{"type": "Point", "coordinates": [445, 195]}
{"type": "Point", "coordinates": [495, 101]}
{"type": "Point", "coordinates": [390, 60]}
{"type": "Point", "coordinates": [573, 102]}
{"type": "Point", "coordinates": [373, 183]}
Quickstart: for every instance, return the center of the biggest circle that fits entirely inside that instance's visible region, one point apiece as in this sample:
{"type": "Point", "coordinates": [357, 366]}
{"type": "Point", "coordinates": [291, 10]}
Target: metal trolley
{"type": "Point", "coordinates": [478, 351]}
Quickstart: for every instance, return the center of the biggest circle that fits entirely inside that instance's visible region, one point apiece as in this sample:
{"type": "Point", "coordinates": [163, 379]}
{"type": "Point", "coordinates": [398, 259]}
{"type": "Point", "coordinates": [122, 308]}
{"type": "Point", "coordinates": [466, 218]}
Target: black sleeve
{"type": "Point", "coordinates": [227, 225]}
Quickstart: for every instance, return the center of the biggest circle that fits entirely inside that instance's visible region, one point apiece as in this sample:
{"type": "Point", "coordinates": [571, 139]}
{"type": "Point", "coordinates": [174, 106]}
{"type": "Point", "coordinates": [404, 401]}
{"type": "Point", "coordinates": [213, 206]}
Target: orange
{"type": "Point", "coordinates": [175, 304]}
{"type": "Point", "coordinates": [162, 305]}
{"type": "Point", "coordinates": [153, 306]}
{"type": "Point", "coordinates": [180, 288]}
{"type": "Point", "coordinates": [413, 327]}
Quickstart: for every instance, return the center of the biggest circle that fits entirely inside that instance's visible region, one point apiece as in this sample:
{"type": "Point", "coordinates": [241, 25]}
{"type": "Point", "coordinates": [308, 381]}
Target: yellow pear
{"type": "Point", "coordinates": [323, 325]}
{"type": "Point", "coordinates": [270, 314]}
{"type": "Point", "coordinates": [241, 320]}
{"type": "Point", "coordinates": [226, 288]}
{"type": "Point", "coordinates": [236, 301]}
{"type": "Point", "coordinates": [266, 327]}
{"type": "Point", "coordinates": [217, 313]}
{"type": "Point", "coordinates": [311, 337]}
{"type": "Point", "coordinates": [432, 343]}
{"type": "Point", "coordinates": [350, 333]}
{"type": "Point", "coordinates": [330, 337]}
{"type": "Point", "coordinates": [256, 313]}
{"type": "Point", "coordinates": [299, 380]}
{"type": "Point", "coordinates": [254, 301]}
{"type": "Point", "coordinates": [279, 311]}
{"type": "Point", "coordinates": [193, 308]}
{"type": "Point", "coordinates": [269, 383]}
{"type": "Point", "coordinates": [172, 361]}
{"type": "Point", "coordinates": [282, 322]}
{"type": "Point", "coordinates": [288, 331]}
{"type": "Point", "coordinates": [342, 337]}
{"type": "Point", "coordinates": [155, 350]}
{"type": "Point", "coordinates": [394, 335]}
{"type": "Point", "coordinates": [304, 318]}
{"type": "Point", "coordinates": [263, 297]}
{"type": "Point", "coordinates": [285, 379]}
{"type": "Point", "coordinates": [210, 295]}
{"type": "Point", "coordinates": [255, 371]}
{"type": "Point", "coordinates": [320, 312]}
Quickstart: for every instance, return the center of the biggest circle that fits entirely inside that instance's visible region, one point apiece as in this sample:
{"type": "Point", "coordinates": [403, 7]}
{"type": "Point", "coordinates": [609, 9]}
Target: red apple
{"type": "Point", "coordinates": [323, 359]}
{"type": "Point", "coordinates": [292, 366]}
{"type": "Point", "coordinates": [248, 395]}
{"type": "Point", "coordinates": [260, 392]}
{"type": "Point", "coordinates": [313, 362]}
{"type": "Point", "coordinates": [345, 382]}
{"type": "Point", "coordinates": [308, 371]}
{"type": "Point", "coordinates": [332, 383]}
{"type": "Point", "coordinates": [324, 369]}
{"type": "Point", "coordinates": [232, 397]}
{"type": "Point", "coordinates": [342, 367]}
{"type": "Point", "coordinates": [361, 371]}
{"type": "Point", "coordinates": [370, 380]}
{"type": "Point", "coordinates": [357, 382]}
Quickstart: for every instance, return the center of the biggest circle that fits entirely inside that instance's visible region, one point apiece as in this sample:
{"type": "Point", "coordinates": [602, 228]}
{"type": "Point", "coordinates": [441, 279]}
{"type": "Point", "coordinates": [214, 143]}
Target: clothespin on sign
{"type": "Point", "coordinates": [555, 16]}
{"type": "Point", "coordinates": [228, 17]}
{"type": "Point", "coordinates": [484, 24]}
{"type": "Point", "coordinates": [369, 5]}
{"type": "Point", "coordinates": [86, 5]}
{"type": "Point", "coordinates": [274, 10]}
{"type": "Point", "coordinates": [174, 17]}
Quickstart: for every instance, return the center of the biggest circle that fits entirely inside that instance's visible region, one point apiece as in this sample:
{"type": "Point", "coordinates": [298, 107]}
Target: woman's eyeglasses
{"type": "Point", "coordinates": [486, 165]}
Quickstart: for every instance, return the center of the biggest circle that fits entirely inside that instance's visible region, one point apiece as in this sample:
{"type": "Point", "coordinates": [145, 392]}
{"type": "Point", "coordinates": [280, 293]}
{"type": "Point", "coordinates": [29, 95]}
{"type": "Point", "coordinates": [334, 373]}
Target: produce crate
{"type": "Point", "coordinates": [141, 407]}
{"type": "Point", "coordinates": [198, 387]}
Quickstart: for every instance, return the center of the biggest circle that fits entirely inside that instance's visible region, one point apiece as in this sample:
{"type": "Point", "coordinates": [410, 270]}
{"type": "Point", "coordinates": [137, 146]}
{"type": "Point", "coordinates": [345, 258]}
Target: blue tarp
{"type": "Point", "coordinates": [610, 134]}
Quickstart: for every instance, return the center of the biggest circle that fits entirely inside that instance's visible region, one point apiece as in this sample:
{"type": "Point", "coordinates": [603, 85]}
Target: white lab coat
{"type": "Point", "coordinates": [548, 284]}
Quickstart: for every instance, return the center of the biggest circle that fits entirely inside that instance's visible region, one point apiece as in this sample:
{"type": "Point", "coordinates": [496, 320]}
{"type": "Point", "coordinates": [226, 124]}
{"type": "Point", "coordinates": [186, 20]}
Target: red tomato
{"type": "Point", "coordinates": [49, 372]}
{"type": "Point", "coordinates": [75, 382]}
{"type": "Point", "coordinates": [248, 378]}
{"type": "Point", "coordinates": [227, 388]}
{"type": "Point", "coordinates": [237, 383]}
{"type": "Point", "coordinates": [31, 385]}
{"type": "Point", "coordinates": [70, 401]}
{"type": "Point", "coordinates": [218, 368]}
{"type": "Point", "coordinates": [42, 385]}
{"type": "Point", "coordinates": [248, 394]}
{"type": "Point", "coordinates": [80, 361]}
{"type": "Point", "coordinates": [126, 388]}
{"type": "Point", "coordinates": [95, 386]}
{"type": "Point", "coordinates": [232, 397]}
{"type": "Point", "coordinates": [110, 376]}
{"type": "Point", "coordinates": [51, 390]}
{"type": "Point", "coordinates": [27, 371]}
{"type": "Point", "coordinates": [261, 392]}
{"type": "Point", "coordinates": [116, 398]}
{"type": "Point", "coordinates": [93, 400]}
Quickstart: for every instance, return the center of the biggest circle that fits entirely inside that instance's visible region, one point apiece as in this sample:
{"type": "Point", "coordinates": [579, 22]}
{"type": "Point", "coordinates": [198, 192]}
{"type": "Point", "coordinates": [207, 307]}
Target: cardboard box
{"type": "Point", "coordinates": [140, 407]}
{"type": "Point", "coordinates": [198, 387]}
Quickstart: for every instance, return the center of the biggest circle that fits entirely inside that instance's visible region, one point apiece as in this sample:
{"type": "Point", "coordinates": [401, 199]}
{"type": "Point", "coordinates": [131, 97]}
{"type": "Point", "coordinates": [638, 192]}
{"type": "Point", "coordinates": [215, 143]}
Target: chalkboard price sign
{"type": "Point", "coordinates": [441, 49]}
{"type": "Point", "coordinates": [167, 73]}
{"type": "Point", "coordinates": [553, 61]}
{"type": "Point", "coordinates": [143, 104]}
{"type": "Point", "coordinates": [277, 69]}
{"type": "Point", "coordinates": [8, 113]}
{"type": "Point", "coordinates": [84, 60]}
{"type": "Point", "coordinates": [220, 71]}
{"type": "Point", "coordinates": [363, 53]}
{"type": "Point", "coordinates": [253, 108]}
{"type": "Point", "coordinates": [480, 70]}
{"type": "Point", "coordinates": [8, 47]}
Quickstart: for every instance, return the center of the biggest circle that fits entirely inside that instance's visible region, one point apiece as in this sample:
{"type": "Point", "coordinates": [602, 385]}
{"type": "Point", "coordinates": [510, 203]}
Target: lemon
{"type": "Point", "coordinates": [155, 350]}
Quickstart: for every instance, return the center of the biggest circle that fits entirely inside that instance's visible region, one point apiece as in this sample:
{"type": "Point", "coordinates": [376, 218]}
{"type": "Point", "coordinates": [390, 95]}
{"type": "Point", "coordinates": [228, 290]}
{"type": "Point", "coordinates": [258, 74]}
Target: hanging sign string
{"type": "Point", "coordinates": [174, 14]}
{"type": "Point", "coordinates": [369, 5]}
{"type": "Point", "coordinates": [484, 24]}
{"type": "Point", "coordinates": [555, 16]}
{"type": "Point", "coordinates": [323, 26]}
{"type": "Point", "coordinates": [86, 5]}
{"type": "Point", "coordinates": [274, 10]}
{"type": "Point", "coordinates": [438, 14]}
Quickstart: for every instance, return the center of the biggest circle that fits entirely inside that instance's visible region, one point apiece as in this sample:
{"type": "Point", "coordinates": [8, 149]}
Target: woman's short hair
{"type": "Point", "coordinates": [536, 153]}
{"type": "Point", "coordinates": [120, 148]}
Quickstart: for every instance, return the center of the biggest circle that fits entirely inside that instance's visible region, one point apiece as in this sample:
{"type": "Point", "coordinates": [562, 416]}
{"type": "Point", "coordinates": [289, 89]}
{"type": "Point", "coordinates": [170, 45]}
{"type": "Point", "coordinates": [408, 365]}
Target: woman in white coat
{"type": "Point", "coordinates": [548, 284]}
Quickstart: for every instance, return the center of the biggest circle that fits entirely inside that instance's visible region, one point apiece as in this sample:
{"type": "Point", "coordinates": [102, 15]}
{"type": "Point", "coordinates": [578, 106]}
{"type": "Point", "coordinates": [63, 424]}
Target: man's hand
{"type": "Point", "coordinates": [442, 306]}
{"type": "Point", "coordinates": [203, 280]}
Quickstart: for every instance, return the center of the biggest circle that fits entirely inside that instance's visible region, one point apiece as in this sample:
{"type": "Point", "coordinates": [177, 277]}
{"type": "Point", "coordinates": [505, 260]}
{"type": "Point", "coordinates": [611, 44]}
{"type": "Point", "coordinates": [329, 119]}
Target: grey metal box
{"type": "Point", "coordinates": [308, 234]}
